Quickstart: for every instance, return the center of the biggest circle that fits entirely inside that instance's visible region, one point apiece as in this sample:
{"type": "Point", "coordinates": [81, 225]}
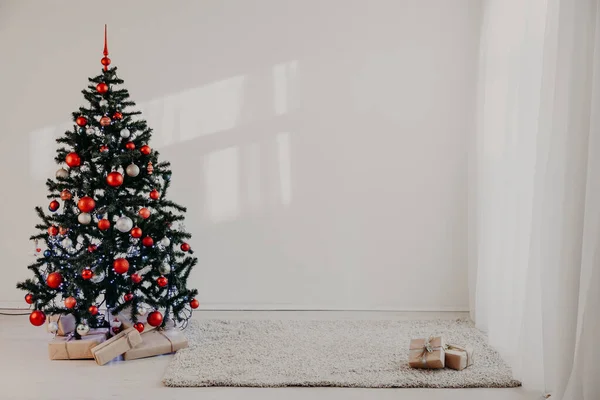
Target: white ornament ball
{"type": "Point", "coordinates": [52, 327]}
{"type": "Point", "coordinates": [132, 170]}
{"type": "Point", "coordinates": [124, 224]}
{"type": "Point", "coordinates": [97, 278]}
{"type": "Point", "coordinates": [84, 218]}
{"type": "Point", "coordinates": [62, 173]}
{"type": "Point", "coordinates": [115, 323]}
{"type": "Point", "coordinates": [165, 241]}
{"type": "Point", "coordinates": [103, 103]}
{"type": "Point", "coordinates": [83, 329]}
{"type": "Point", "coordinates": [90, 131]}
{"type": "Point", "coordinates": [67, 243]}
{"type": "Point", "coordinates": [141, 310]}
{"type": "Point", "coordinates": [125, 133]}
{"type": "Point", "coordinates": [165, 268]}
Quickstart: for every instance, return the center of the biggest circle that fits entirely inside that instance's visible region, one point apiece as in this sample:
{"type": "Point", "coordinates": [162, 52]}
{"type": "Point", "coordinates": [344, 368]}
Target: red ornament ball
{"type": "Point", "coordinates": [117, 115]}
{"type": "Point", "coordinates": [102, 88]}
{"type": "Point", "coordinates": [70, 302]}
{"type": "Point", "coordinates": [185, 247]}
{"type": "Point", "coordinates": [155, 318]}
{"type": "Point", "coordinates": [54, 205]}
{"type": "Point", "coordinates": [53, 230]}
{"type": "Point", "coordinates": [114, 179]}
{"type": "Point", "coordinates": [86, 204]}
{"type": "Point", "coordinates": [130, 146]}
{"type": "Point", "coordinates": [73, 160]}
{"type": "Point", "coordinates": [92, 248]}
{"type": "Point", "coordinates": [103, 148]}
{"type": "Point", "coordinates": [54, 280]}
{"type": "Point", "coordinates": [62, 230]}
{"type": "Point", "coordinates": [139, 326]}
{"type": "Point", "coordinates": [105, 121]}
{"type": "Point", "coordinates": [136, 232]}
{"type": "Point", "coordinates": [162, 281]}
{"type": "Point", "coordinates": [145, 149]}
{"type": "Point", "coordinates": [120, 265]}
{"type": "Point", "coordinates": [103, 224]}
{"type": "Point", "coordinates": [136, 278]}
{"type": "Point", "coordinates": [128, 297]}
{"type": "Point", "coordinates": [81, 121]}
{"type": "Point", "coordinates": [93, 310]}
{"type": "Point", "coordinates": [144, 213]}
{"type": "Point", "coordinates": [154, 195]}
{"type": "Point", "coordinates": [29, 298]}
{"type": "Point", "coordinates": [37, 318]}
{"type": "Point", "coordinates": [194, 304]}
{"type": "Point", "coordinates": [148, 241]}
{"type": "Point", "coordinates": [65, 195]}
{"type": "Point", "coordinates": [87, 274]}
{"type": "Point", "coordinates": [105, 61]}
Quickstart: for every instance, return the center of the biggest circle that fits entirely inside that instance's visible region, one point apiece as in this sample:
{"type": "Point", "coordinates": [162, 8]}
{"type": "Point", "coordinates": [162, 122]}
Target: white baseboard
{"type": "Point", "coordinates": [19, 305]}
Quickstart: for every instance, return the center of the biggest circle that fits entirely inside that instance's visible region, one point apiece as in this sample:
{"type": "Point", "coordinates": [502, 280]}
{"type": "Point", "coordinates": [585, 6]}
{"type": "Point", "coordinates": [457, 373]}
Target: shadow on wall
{"type": "Point", "coordinates": [319, 179]}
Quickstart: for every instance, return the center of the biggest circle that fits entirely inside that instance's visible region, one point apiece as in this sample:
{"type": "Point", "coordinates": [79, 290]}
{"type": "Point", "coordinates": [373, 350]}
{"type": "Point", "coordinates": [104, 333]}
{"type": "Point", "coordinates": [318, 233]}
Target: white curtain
{"type": "Point", "coordinates": [535, 192]}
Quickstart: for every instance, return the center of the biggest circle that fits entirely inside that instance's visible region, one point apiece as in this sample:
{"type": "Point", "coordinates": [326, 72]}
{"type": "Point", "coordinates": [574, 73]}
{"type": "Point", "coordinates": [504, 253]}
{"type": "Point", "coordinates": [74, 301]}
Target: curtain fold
{"type": "Point", "coordinates": [535, 196]}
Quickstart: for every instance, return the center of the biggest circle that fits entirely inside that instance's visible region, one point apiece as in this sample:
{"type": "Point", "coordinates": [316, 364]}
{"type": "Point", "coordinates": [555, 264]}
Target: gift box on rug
{"type": "Point", "coordinates": [69, 348]}
{"type": "Point", "coordinates": [458, 357]}
{"type": "Point", "coordinates": [158, 342]}
{"type": "Point", "coordinates": [117, 345]}
{"type": "Point", "coordinates": [427, 353]}
{"type": "Point", "coordinates": [66, 323]}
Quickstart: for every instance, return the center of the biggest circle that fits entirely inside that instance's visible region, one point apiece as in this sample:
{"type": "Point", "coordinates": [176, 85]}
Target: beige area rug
{"type": "Point", "coordinates": [366, 354]}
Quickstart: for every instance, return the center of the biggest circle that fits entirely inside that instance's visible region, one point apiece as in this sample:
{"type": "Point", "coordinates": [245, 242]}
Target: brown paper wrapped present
{"type": "Point", "coordinates": [158, 342]}
{"type": "Point", "coordinates": [66, 323]}
{"type": "Point", "coordinates": [117, 345]}
{"type": "Point", "coordinates": [68, 348]}
{"type": "Point", "coordinates": [458, 357]}
{"type": "Point", "coordinates": [427, 353]}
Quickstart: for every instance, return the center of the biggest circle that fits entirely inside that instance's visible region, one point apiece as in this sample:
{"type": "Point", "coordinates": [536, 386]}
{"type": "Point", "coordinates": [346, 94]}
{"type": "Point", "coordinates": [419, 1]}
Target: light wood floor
{"type": "Point", "coordinates": [26, 372]}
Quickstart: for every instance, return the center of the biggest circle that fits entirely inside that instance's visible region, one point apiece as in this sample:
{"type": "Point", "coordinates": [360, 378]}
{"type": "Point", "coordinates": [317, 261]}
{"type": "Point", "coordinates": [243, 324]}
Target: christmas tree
{"type": "Point", "coordinates": [114, 242]}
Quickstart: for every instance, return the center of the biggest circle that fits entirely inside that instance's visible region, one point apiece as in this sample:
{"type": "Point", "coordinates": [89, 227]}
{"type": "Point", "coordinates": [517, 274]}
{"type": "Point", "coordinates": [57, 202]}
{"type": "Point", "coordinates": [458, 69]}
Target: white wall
{"type": "Point", "coordinates": [319, 146]}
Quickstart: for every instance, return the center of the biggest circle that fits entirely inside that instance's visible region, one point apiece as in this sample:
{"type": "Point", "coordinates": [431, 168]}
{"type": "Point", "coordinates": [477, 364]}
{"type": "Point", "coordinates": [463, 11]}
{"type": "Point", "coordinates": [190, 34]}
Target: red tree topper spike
{"type": "Point", "coordinates": [105, 60]}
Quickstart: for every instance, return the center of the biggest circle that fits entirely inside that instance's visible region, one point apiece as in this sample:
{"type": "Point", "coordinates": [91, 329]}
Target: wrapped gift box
{"type": "Point", "coordinates": [458, 357]}
{"type": "Point", "coordinates": [66, 323]}
{"type": "Point", "coordinates": [68, 348]}
{"type": "Point", "coordinates": [427, 353]}
{"type": "Point", "coordinates": [117, 345]}
{"type": "Point", "coordinates": [158, 342]}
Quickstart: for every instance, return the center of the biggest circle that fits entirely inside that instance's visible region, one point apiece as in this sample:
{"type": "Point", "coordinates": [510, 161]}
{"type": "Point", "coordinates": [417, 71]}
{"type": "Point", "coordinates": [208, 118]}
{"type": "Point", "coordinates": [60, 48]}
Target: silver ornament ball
{"type": "Point", "coordinates": [67, 243]}
{"type": "Point", "coordinates": [124, 224]}
{"type": "Point", "coordinates": [62, 173]}
{"type": "Point", "coordinates": [90, 131]}
{"type": "Point", "coordinates": [132, 170]}
{"type": "Point", "coordinates": [84, 218]}
{"type": "Point", "coordinates": [83, 329]}
{"type": "Point", "coordinates": [97, 278]}
{"type": "Point", "coordinates": [165, 269]}
{"type": "Point", "coordinates": [165, 241]}
{"type": "Point", "coordinates": [52, 327]}
{"type": "Point", "coordinates": [125, 133]}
